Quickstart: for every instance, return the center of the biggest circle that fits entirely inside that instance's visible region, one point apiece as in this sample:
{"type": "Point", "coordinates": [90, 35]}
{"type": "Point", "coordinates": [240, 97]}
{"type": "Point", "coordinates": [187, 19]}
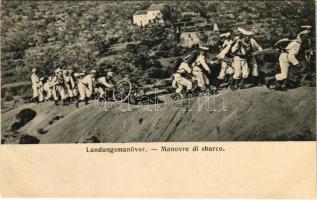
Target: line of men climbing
{"type": "Point", "coordinates": [67, 86]}
{"type": "Point", "coordinates": [237, 58]}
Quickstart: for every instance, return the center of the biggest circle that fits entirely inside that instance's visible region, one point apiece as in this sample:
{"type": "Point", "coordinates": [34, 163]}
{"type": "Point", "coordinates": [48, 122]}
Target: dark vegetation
{"type": "Point", "coordinates": [88, 34]}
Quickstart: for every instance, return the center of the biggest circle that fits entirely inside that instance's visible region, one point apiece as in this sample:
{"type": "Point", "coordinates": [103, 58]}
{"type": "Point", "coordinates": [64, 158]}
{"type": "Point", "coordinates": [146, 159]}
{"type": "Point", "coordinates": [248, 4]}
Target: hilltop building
{"type": "Point", "coordinates": [151, 15]}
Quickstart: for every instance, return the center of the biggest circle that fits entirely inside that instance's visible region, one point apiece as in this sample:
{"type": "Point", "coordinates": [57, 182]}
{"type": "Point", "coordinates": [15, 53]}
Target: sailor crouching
{"type": "Point", "coordinates": [287, 58]}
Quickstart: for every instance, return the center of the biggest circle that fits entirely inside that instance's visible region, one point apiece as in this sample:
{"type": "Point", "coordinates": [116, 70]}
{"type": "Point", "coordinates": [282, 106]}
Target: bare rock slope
{"type": "Point", "coordinates": [254, 114]}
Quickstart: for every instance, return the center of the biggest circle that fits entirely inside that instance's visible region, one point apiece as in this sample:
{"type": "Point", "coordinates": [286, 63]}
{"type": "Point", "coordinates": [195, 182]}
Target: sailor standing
{"type": "Point", "coordinates": [242, 50]}
{"type": "Point", "coordinates": [198, 66]}
{"type": "Point", "coordinates": [58, 87]}
{"type": "Point", "coordinates": [41, 89]}
{"type": "Point", "coordinates": [73, 86]}
{"type": "Point", "coordinates": [226, 68]}
{"type": "Point", "coordinates": [69, 91]}
{"type": "Point", "coordinates": [35, 85]}
{"type": "Point", "coordinates": [252, 46]}
{"type": "Point", "coordinates": [48, 88]}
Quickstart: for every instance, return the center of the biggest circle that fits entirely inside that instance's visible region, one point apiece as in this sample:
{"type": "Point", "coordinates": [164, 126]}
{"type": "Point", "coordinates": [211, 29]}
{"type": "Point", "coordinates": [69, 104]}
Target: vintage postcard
{"type": "Point", "coordinates": [158, 99]}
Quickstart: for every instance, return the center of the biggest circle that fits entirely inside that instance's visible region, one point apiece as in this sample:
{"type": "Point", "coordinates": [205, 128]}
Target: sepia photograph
{"type": "Point", "coordinates": [157, 71]}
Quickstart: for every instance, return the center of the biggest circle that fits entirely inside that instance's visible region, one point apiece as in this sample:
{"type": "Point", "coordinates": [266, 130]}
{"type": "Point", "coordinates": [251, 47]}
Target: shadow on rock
{"type": "Point", "coordinates": [29, 139]}
{"type": "Point", "coordinates": [22, 118]}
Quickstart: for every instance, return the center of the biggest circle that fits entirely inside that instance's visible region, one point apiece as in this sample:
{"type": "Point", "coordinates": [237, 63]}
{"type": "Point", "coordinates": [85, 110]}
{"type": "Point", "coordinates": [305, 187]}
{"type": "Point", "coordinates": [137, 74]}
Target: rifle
{"type": "Point", "coordinates": [216, 61]}
{"type": "Point", "coordinates": [264, 51]}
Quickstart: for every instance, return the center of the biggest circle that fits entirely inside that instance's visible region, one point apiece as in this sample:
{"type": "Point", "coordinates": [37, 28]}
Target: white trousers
{"type": "Point", "coordinates": [254, 66]}
{"type": "Point", "coordinates": [35, 90]}
{"type": "Point", "coordinates": [48, 93]}
{"type": "Point", "coordinates": [182, 82]}
{"type": "Point", "coordinates": [202, 79]}
{"type": "Point", "coordinates": [69, 90]}
{"type": "Point", "coordinates": [75, 92]}
{"type": "Point", "coordinates": [225, 69]}
{"type": "Point", "coordinates": [240, 67]}
{"type": "Point", "coordinates": [59, 91]}
{"type": "Point", "coordinates": [41, 95]}
{"type": "Point", "coordinates": [284, 65]}
{"type": "Point", "coordinates": [83, 91]}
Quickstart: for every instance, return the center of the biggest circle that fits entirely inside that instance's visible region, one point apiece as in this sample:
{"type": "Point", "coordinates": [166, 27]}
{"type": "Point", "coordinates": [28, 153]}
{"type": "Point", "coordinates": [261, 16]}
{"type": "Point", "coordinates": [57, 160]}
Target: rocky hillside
{"type": "Point", "coordinates": [255, 114]}
{"type": "Point", "coordinates": [91, 34]}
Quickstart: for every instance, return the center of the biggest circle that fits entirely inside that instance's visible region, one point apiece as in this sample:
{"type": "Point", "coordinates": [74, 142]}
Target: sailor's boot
{"type": "Point", "coordinates": [77, 103]}
{"type": "Point", "coordinates": [278, 85]}
{"type": "Point", "coordinates": [86, 101]}
{"type": "Point", "coordinates": [269, 80]}
{"type": "Point", "coordinates": [190, 93]}
{"type": "Point", "coordinates": [233, 84]}
{"type": "Point", "coordinates": [242, 83]}
{"type": "Point", "coordinates": [64, 102]}
{"type": "Point", "coordinates": [230, 79]}
{"type": "Point", "coordinates": [284, 85]}
{"type": "Point", "coordinates": [218, 83]}
{"type": "Point", "coordinates": [255, 81]}
{"type": "Point", "coordinates": [36, 100]}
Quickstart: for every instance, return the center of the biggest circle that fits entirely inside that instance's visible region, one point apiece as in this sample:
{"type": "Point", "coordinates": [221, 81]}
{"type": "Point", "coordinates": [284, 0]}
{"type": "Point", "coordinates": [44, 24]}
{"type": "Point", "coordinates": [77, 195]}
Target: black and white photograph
{"type": "Point", "coordinates": [157, 71]}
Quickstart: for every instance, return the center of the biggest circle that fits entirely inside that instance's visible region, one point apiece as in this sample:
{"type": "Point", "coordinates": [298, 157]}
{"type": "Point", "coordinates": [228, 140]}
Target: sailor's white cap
{"type": "Point", "coordinates": [245, 32]}
{"type": "Point", "coordinates": [58, 70]}
{"type": "Point", "coordinates": [225, 34]}
{"type": "Point", "coordinates": [42, 78]}
{"type": "Point", "coordinates": [76, 74]}
{"type": "Point", "coordinates": [93, 71]}
{"type": "Point", "coordinates": [34, 70]}
{"type": "Point", "coordinates": [306, 26]}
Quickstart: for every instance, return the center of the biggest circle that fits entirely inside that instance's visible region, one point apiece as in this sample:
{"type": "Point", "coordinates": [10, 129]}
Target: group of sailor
{"type": "Point", "coordinates": [237, 57]}
{"type": "Point", "coordinates": [67, 86]}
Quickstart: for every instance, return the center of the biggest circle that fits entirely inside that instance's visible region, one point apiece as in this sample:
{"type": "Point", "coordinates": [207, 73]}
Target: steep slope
{"type": "Point", "coordinates": [254, 114]}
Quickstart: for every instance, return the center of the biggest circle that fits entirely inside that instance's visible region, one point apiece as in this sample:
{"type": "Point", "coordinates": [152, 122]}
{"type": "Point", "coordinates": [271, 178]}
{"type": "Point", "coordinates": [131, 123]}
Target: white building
{"type": "Point", "coordinates": [151, 15]}
{"type": "Point", "coordinates": [140, 18]}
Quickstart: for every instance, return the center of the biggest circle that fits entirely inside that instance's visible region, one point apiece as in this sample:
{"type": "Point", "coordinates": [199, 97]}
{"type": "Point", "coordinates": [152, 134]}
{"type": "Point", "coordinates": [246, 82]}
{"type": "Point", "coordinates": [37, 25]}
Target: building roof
{"type": "Point", "coordinates": [154, 7]}
{"type": "Point", "coordinates": [141, 12]}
